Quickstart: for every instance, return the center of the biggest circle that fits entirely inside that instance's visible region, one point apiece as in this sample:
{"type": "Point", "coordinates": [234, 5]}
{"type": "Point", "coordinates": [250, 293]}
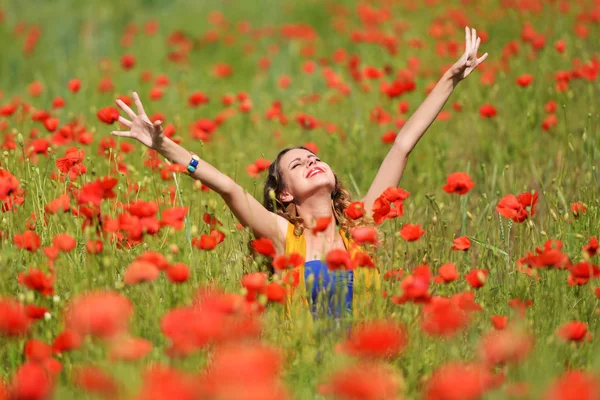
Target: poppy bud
{"type": "Point", "coordinates": [272, 194]}
{"type": "Point", "coordinates": [20, 139]}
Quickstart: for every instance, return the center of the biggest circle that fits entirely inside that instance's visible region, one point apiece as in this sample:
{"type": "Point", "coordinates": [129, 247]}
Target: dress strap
{"type": "Point", "coordinates": [294, 243]}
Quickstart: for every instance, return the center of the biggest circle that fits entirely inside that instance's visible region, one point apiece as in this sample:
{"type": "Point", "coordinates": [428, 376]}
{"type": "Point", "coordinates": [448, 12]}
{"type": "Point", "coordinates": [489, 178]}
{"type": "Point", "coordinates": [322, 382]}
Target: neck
{"type": "Point", "coordinates": [317, 206]}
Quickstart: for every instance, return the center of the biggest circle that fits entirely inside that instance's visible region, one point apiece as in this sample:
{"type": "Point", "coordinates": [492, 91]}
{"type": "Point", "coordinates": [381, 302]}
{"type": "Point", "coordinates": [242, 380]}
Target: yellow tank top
{"type": "Point", "coordinates": [365, 279]}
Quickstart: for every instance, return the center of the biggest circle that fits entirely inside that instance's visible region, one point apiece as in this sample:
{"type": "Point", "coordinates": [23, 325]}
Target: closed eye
{"type": "Point", "coordinates": [295, 165]}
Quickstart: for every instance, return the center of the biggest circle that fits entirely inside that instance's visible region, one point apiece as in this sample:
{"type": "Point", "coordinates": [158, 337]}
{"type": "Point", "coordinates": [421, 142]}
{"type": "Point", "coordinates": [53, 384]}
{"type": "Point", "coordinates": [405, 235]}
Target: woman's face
{"type": "Point", "coordinates": [304, 174]}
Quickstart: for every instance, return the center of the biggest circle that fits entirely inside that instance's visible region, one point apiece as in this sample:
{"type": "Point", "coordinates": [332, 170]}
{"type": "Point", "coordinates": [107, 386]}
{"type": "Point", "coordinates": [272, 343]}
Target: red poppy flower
{"type": "Point", "coordinates": [442, 317]}
{"type": "Point", "coordinates": [411, 232]}
{"type": "Point", "coordinates": [321, 224]}
{"type": "Point", "coordinates": [499, 321]}
{"type": "Point", "coordinates": [362, 381]}
{"type": "Point", "coordinates": [525, 80]}
{"type": "Point", "coordinates": [74, 85]}
{"type": "Point", "coordinates": [64, 242]}
{"type": "Point", "coordinates": [515, 207]}
{"type": "Point", "coordinates": [582, 272]}
{"type": "Point", "coordinates": [66, 341]}
{"type": "Point", "coordinates": [205, 242]}
{"type": "Point", "coordinates": [108, 115]}
{"type": "Point", "coordinates": [415, 286]}
{"type": "Point", "coordinates": [94, 246]}
{"type": "Point", "coordinates": [51, 124]}
{"type": "Point", "coordinates": [338, 259]}
{"type": "Point", "coordinates": [461, 243]}
{"type": "Point", "coordinates": [548, 256]}
{"type": "Point", "coordinates": [574, 331]}
{"type": "Point", "coordinates": [14, 320]}
{"type": "Point", "coordinates": [61, 203]}
{"type": "Point", "coordinates": [222, 70]}
{"type": "Point", "coordinates": [592, 247]}
{"type": "Point", "coordinates": [287, 261]}
{"type": "Point", "coordinates": [94, 380]}
{"type": "Point", "coordinates": [393, 275]}
{"type": "Point", "coordinates": [577, 209]}
{"type": "Point", "coordinates": [276, 293]}
{"type": "Point", "coordinates": [129, 348]}
{"type": "Point", "coordinates": [178, 272]}
{"type": "Point", "coordinates": [457, 380]}
{"type": "Point", "coordinates": [174, 217]}
{"type": "Point", "coordinates": [96, 191]}
{"type": "Point", "coordinates": [459, 183]}
{"type": "Point", "coordinates": [197, 98]}
{"type": "Point", "coordinates": [476, 278]}
{"type": "Point", "coordinates": [254, 282]}
{"type": "Point", "coordinates": [32, 381]}
{"type": "Point", "coordinates": [100, 313]}
{"type": "Point", "coordinates": [36, 280]}
{"type": "Point", "coordinates": [447, 273]}
{"type": "Point", "coordinates": [36, 350]}
{"type": "Point", "coordinates": [376, 339]}
{"type": "Point", "coordinates": [574, 385]}
{"type": "Point", "coordinates": [264, 246]}
{"type": "Point", "coordinates": [35, 312]}
{"type": "Point", "coordinates": [364, 234]}
{"type": "Point", "coordinates": [140, 272]}
{"type": "Point", "coordinates": [487, 111]}
{"type": "Point", "coordinates": [28, 240]}
{"type": "Point", "coordinates": [505, 346]}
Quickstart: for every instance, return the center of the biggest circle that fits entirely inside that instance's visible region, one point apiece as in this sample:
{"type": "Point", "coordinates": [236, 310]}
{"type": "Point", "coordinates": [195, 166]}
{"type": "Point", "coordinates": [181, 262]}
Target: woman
{"type": "Point", "coordinates": [304, 188]}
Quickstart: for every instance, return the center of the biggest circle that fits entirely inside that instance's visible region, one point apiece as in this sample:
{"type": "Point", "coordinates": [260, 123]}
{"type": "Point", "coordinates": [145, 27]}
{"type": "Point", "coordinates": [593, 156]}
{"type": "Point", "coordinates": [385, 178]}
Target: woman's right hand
{"type": "Point", "coordinates": [141, 128]}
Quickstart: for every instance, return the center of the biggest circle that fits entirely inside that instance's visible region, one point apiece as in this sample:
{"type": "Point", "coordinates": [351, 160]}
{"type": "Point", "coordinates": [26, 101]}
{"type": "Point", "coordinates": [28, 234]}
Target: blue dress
{"type": "Point", "coordinates": [335, 286]}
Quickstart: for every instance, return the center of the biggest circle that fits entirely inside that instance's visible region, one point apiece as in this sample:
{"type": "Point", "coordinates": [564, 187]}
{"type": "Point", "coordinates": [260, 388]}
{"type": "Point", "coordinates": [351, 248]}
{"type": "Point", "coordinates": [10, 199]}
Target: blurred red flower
{"type": "Point", "coordinates": [515, 207]}
{"type": "Point", "coordinates": [103, 314]}
{"type": "Point", "coordinates": [461, 243]}
{"type": "Point", "coordinates": [525, 80]}
{"type": "Point", "coordinates": [14, 320]}
{"type": "Point", "coordinates": [264, 246]}
{"type": "Point", "coordinates": [487, 111]}
{"type": "Point", "coordinates": [574, 385]}
{"type": "Point", "coordinates": [355, 210]}
{"type": "Point", "coordinates": [459, 183]}
{"type": "Point", "coordinates": [476, 278]}
{"type": "Point", "coordinates": [456, 380]}
{"type": "Point", "coordinates": [411, 232]}
{"type": "Point", "coordinates": [28, 240]}
{"type": "Point", "coordinates": [140, 272]}
{"type": "Point", "coordinates": [94, 380]}
{"type": "Point", "coordinates": [321, 224]}
{"type": "Point", "coordinates": [108, 115]}
{"type": "Point", "coordinates": [376, 339]}
{"type": "Point", "coordinates": [506, 346]}
{"type": "Point", "coordinates": [368, 381]}
{"type": "Point", "coordinates": [574, 331]}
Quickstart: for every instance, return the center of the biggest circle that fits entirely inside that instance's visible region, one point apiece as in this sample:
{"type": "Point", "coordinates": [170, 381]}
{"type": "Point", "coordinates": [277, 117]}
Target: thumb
{"type": "Point", "coordinates": [157, 122]}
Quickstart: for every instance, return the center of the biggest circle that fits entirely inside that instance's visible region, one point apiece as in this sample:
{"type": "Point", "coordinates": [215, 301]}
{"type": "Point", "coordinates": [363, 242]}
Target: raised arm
{"type": "Point", "coordinates": [248, 210]}
{"type": "Point", "coordinates": [391, 169]}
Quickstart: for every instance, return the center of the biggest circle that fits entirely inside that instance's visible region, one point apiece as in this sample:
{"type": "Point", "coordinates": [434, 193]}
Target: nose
{"type": "Point", "coordinates": [310, 161]}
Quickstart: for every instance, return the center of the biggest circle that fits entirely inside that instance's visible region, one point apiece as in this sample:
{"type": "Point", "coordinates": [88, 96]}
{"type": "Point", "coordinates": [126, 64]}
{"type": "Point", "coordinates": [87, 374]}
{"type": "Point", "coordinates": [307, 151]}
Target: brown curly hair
{"type": "Point", "coordinates": [340, 197]}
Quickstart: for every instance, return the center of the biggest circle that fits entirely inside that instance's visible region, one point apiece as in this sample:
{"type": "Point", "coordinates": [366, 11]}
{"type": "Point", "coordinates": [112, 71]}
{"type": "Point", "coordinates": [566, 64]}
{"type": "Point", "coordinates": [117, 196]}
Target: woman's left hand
{"type": "Point", "coordinates": [469, 61]}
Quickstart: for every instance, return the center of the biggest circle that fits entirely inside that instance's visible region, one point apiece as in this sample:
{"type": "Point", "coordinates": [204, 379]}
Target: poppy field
{"type": "Point", "coordinates": [121, 277]}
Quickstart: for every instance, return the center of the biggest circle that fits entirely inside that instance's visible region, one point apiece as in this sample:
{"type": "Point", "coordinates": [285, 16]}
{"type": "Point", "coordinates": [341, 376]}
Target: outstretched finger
{"type": "Point", "coordinates": [473, 38]}
{"type": "Point", "coordinates": [482, 58]}
{"type": "Point", "coordinates": [477, 46]}
{"type": "Point", "coordinates": [467, 39]}
{"type": "Point", "coordinates": [121, 133]}
{"type": "Point", "coordinates": [125, 121]}
{"type": "Point", "coordinates": [138, 104]}
{"type": "Point", "coordinates": [126, 108]}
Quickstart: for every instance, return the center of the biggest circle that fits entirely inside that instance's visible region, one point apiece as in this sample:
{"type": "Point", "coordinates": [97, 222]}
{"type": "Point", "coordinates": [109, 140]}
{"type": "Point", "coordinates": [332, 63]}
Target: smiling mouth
{"type": "Point", "coordinates": [314, 171]}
